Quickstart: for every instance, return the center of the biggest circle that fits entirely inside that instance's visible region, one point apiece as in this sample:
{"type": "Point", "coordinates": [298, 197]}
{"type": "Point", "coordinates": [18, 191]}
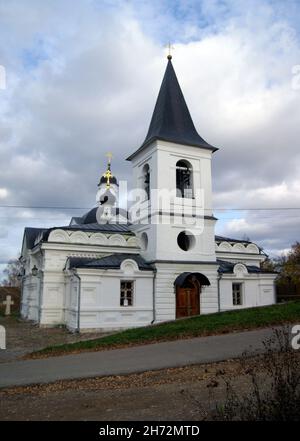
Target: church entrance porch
{"type": "Point", "coordinates": [188, 300]}
{"type": "Point", "coordinates": [188, 290]}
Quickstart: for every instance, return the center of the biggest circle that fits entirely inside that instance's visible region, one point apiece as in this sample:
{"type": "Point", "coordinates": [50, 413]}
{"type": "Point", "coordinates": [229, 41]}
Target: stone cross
{"type": "Point", "coordinates": [8, 303]}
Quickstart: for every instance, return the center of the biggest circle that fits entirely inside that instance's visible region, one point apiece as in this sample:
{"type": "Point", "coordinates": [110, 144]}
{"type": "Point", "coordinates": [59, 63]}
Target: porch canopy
{"type": "Point", "coordinates": [181, 279]}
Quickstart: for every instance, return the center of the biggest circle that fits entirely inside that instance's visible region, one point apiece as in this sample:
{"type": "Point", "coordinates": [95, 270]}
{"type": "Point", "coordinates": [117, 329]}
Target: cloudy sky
{"type": "Point", "coordinates": [82, 78]}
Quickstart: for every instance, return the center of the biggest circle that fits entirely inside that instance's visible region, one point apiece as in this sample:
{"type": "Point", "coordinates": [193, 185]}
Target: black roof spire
{"type": "Point", "coordinates": [171, 119]}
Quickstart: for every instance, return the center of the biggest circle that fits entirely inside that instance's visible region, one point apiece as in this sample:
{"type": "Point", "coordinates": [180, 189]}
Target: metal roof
{"type": "Point", "coordinates": [228, 239]}
{"type": "Point", "coordinates": [227, 267]}
{"type": "Point", "coordinates": [30, 234]}
{"type": "Point", "coordinates": [171, 119]}
{"type": "Point", "coordinates": [91, 216]}
{"type": "Point", "coordinates": [113, 261]}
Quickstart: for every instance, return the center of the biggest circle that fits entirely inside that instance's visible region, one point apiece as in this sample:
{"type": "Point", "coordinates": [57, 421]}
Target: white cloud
{"type": "Point", "coordinates": [3, 193]}
{"type": "Point", "coordinates": [82, 78]}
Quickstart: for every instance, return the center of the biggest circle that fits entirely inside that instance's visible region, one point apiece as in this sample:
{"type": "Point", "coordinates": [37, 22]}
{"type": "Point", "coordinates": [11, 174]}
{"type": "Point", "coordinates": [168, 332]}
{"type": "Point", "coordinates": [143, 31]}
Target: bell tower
{"type": "Point", "coordinates": [172, 174]}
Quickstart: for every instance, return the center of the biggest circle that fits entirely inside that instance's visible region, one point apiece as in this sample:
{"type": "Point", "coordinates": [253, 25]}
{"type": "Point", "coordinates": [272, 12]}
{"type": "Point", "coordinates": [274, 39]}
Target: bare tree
{"type": "Point", "coordinates": [292, 266]}
{"type": "Point", "coordinates": [11, 273]}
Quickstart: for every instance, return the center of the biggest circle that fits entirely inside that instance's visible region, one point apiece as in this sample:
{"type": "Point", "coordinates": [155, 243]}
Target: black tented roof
{"type": "Point", "coordinates": [171, 119]}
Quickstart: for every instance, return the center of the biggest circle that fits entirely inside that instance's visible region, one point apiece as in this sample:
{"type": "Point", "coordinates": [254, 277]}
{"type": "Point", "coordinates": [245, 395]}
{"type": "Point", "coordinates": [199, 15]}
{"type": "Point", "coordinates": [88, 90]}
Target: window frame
{"type": "Point", "coordinates": [146, 180]}
{"type": "Point", "coordinates": [234, 294]}
{"type": "Point", "coordinates": [181, 190]}
{"type": "Point", "coordinates": [132, 289]}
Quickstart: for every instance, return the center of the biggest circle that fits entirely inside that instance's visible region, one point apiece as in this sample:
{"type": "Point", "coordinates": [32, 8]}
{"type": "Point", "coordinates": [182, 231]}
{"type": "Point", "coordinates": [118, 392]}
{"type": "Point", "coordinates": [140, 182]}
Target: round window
{"type": "Point", "coordinates": [185, 240]}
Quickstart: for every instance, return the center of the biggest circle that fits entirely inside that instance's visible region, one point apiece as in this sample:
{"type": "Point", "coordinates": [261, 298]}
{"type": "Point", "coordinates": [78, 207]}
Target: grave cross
{"type": "Point", "coordinates": [8, 303]}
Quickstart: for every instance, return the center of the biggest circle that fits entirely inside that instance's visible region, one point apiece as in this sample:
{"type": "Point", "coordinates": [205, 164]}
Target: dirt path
{"type": "Point", "coordinates": [25, 337]}
{"type": "Point", "coordinates": [188, 393]}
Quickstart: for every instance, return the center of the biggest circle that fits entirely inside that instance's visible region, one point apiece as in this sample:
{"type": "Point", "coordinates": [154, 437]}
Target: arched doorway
{"type": "Point", "coordinates": [188, 290]}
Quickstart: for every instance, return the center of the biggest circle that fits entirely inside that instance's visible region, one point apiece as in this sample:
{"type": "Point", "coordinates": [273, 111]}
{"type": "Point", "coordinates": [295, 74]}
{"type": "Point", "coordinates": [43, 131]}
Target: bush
{"type": "Point", "coordinates": [274, 385]}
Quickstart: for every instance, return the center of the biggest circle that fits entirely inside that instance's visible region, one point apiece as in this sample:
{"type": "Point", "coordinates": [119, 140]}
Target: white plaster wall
{"type": "Point", "coordinates": [255, 262]}
{"type": "Point", "coordinates": [162, 158]}
{"type": "Point", "coordinates": [30, 298]}
{"type": "Point", "coordinates": [71, 302]}
{"type": "Point", "coordinates": [149, 252]}
{"type": "Point", "coordinates": [247, 260]}
{"type": "Point", "coordinates": [100, 300]}
{"type": "Point", "coordinates": [168, 154]}
{"type": "Point", "coordinates": [53, 298]}
{"type": "Point", "coordinates": [162, 243]}
{"type": "Point", "coordinates": [258, 290]}
{"type": "Point", "coordinates": [90, 238]}
{"type": "Point", "coordinates": [163, 231]}
{"type": "Point", "coordinates": [68, 316]}
{"type": "Point", "coordinates": [53, 302]}
{"type": "Point", "coordinates": [53, 288]}
{"type": "Point", "coordinates": [267, 291]}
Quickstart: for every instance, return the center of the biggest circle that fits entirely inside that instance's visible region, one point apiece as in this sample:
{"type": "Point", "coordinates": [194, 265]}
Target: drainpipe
{"type": "Point", "coordinates": [78, 300]}
{"type": "Point", "coordinates": [153, 291]}
{"type": "Point", "coordinates": [22, 278]}
{"type": "Point", "coordinates": [219, 295]}
{"type": "Point", "coordinates": [40, 277]}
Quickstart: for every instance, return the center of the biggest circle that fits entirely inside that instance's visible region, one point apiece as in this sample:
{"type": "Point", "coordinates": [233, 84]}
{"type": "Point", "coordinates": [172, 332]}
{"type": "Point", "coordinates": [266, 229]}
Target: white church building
{"type": "Point", "coordinates": [157, 261]}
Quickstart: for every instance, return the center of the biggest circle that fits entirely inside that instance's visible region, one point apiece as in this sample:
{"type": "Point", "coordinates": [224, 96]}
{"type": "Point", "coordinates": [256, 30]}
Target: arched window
{"type": "Point", "coordinates": [184, 179]}
{"type": "Point", "coordinates": [146, 180]}
{"type": "Point", "coordinates": [144, 241]}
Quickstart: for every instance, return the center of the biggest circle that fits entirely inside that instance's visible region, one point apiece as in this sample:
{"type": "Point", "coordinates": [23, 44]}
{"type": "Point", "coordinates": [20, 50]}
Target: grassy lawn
{"type": "Point", "coordinates": [14, 315]}
{"type": "Point", "coordinates": [210, 324]}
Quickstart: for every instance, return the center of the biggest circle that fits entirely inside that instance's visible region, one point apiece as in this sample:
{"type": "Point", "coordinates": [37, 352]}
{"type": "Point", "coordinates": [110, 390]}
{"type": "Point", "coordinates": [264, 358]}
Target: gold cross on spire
{"type": "Point", "coordinates": [108, 174]}
{"type": "Point", "coordinates": [170, 47]}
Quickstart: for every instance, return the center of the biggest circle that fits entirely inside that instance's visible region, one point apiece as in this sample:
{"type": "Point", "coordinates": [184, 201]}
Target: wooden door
{"type": "Point", "coordinates": [187, 300]}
